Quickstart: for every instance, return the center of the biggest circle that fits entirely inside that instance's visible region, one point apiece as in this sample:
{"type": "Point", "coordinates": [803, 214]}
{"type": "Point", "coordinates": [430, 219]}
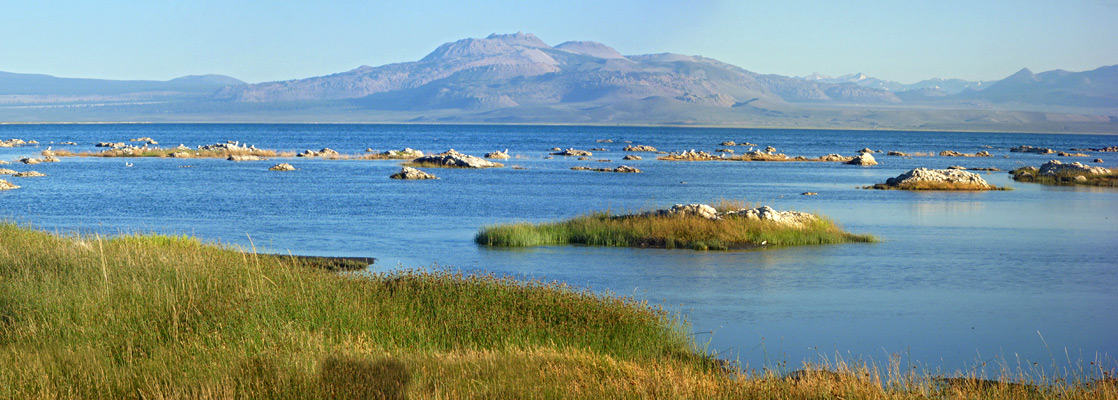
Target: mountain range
{"type": "Point", "coordinates": [518, 78]}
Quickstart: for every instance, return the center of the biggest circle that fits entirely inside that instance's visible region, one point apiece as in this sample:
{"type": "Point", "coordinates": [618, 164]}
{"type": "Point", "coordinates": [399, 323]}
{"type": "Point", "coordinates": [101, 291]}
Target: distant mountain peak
{"type": "Point", "coordinates": [519, 39]}
{"type": "Point", "coordinates": [593, 49]}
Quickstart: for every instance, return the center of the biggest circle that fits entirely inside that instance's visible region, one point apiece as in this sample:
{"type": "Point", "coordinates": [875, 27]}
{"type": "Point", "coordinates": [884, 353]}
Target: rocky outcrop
{"type": "Point", "coordinates": [640, 148]}
{"type": "Point", "coordinates": [1031, 149]}
{"type": "Point", "coordinates": [631, 157]}
{"type": "Point", "coordinates": [5, 185]}
{"type": "Point", "coordinates": [731, 151]}
{"type": "Point", "coordinates": [498, 155]}
{"type": "Point", "coordinates": [573, 152]}
{"type": "Point", "coordinates": [181, 154]}
{"type": "Point", "coordinates": [690, 155]}
{"type": "Point", "coordinates": [897, 153]}
{"type": "Point", "coordinates": [835, 157]}
{"type": "Point", "coordinates": [4, 171]}
{"type": "Point", "coordinates": [282, 167]}
{"type": "Point", "coordinates": [145, 139]}
{"type": "Point", "coordinates": [863, 159]}
{"type": "Point", "coordinates": [110, 144]}
{"type": "Point", "coordinates": [245, 157]}
{"type": "Point", "coordinates": [28, 174]}
{"type": "Point", "coordinates": [406, 153]}
{"type": "Point", "coordinates": [409, 173]}
{"type": "Point", "coordinates": [1066, 154]}
{"type": "Point", "coordinates": [16, 143]}
{"type": "Point", "coordinates": [770, 149]}
{"type": "Point", "coordinates": [51, 158]}
{"type": "Point", "coordinates": [29, 160]}
{"type": "Point", "coordinates": [944, 179]}
{"type": "Point", "coordinates": [620, 168]}
{"type": "Point", "coordinates": [1056, 167]}
{"type": "Point", "coordinates": [1097, 160]}
{"type": "Point", "coordinates": [763, 213]}
{"type": "Point", "coordinates": [454, 159]}
{"type": "Point", "coordinates": [766, 213]}
{"type": "Point", "coordinates": [325, 152]}
{"type": "Point", "coordinates": [729, 143]}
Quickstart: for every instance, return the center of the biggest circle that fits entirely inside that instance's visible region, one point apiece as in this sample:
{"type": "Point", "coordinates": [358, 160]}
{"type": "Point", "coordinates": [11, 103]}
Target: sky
{"type": "Point", "coordinates": [268, 40]}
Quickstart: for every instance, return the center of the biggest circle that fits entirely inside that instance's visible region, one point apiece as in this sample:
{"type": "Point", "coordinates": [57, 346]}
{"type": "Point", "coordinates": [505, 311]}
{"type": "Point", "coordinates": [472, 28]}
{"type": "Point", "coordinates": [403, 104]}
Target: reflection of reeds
{"type": "Point", "coordinates": [674, 231]}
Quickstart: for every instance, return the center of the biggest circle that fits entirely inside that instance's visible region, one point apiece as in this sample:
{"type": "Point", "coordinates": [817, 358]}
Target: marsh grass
{"type": "Point", "coordinates": [637, 230]}
{"type": "Point", "coordinates": [161, 317]}
{"type": "Point", "coordinates": [1031, 175]}
{"type": "Point", "coordinates": [958, 186]}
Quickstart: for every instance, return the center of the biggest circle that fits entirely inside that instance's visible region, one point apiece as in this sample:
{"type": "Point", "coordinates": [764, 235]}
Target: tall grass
{"type": "Point", "coordinates": [170, 317]}
{"type": "Point", "coordinates": [677, 231]}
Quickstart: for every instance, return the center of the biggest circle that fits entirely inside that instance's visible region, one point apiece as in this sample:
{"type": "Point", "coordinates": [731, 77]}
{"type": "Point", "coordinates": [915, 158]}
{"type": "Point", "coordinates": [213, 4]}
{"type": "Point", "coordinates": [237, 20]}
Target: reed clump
{"type": "Point", "coordinates": [668, 231]}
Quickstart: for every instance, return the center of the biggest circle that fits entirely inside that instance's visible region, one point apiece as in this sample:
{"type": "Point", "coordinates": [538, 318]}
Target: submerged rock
{"type": "Point", "coordinates": [282, 167]}
{"type": "Point", "coordinates": [943, 177]}
{"type": "Point", "coordinates": [5, 185]}
{"type": "Point", "coordinates": [409, 173]}
{"type": "Point", "coordinates": [863, 159]}
{"type": "Point", "coordinates": [454, 159]}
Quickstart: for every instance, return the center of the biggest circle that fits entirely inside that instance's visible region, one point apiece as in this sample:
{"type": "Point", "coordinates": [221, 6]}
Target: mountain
{"type": "Point", "coordinates": [42, 85]}
{"type": "Point", "coordinates": [519, 78]}
{"type": "Point", "coordinates": [1095, 88]}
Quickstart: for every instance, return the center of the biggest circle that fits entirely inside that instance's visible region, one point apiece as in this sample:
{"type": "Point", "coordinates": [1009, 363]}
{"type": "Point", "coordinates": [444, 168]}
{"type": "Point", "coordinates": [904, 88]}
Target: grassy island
{"type": "Point", "coordinates": [162, 317]}
{"type": "Point", "coordinates": [669, 231]}
{"type": "Point", "coordinates": [1031, 175]}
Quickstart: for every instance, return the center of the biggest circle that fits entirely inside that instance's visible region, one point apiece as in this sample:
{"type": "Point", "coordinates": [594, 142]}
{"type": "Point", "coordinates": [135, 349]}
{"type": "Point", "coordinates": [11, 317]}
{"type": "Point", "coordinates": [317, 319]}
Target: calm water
{"type": "Point", "coordinates": [960, 278]}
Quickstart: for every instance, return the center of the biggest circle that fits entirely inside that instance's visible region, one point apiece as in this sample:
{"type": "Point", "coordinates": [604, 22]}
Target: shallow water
{"type": "Point", "coordinates": [959, 278]}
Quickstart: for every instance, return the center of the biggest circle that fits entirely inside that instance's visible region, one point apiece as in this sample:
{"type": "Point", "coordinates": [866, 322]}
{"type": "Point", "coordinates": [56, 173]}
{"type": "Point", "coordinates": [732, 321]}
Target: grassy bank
{"type": "Point", "coordinates": [1031, 175]}
{"type": "Point", "coordinates": [676, 231]}
{"type": "Point", "coordinates": [170, 317]}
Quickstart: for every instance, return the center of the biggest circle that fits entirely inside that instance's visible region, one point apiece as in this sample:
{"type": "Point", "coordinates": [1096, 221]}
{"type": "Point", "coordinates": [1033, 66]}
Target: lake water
{"type": "Point", "coordinates": [1029, 275]}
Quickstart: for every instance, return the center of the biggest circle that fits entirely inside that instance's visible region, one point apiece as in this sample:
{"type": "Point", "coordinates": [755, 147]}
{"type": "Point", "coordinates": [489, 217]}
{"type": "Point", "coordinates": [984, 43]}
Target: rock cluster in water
{"type": "Point", "coordinates": [1056, 167]}
{"type": "Point", "coordinates": [5, 185]}
{"type": "Point", "coordinates": [952, 153]}
{"type": "Point", "coordinates": [454, 159]}
{"type": "Point", "coordinates": [573, 152]}
{"type": "Point", "coordinates": [948, 176]}
{"type": "Point", "coordinates": [282, 167]}
{"type": "Point", "coordinates": [407, 152]}
{"type": "Point", "coordinates": [325, 152]}
{"type": "Point", "coordinates": [763, 213]}
{"type": "Point", "coordinates": [409, 173]}
{"type": "Point", "coordinates": [640, 148]}
{"type": "Point", "coordinates": [29, 174]}
{"type": "Point", "coordinates": [1031, 149]}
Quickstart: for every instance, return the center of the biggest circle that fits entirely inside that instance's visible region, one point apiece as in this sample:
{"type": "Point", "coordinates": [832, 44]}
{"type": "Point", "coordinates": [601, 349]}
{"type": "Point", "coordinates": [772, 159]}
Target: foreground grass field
{"type": "Point", "coordinates": [169, 317]}
{"type": "Point", "coordinates": [674, 231]}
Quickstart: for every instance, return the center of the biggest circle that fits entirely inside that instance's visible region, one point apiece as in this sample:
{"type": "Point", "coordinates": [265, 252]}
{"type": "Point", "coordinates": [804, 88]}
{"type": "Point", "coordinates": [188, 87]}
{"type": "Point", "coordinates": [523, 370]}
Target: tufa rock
{"type": "Point", "coordinates": [640, 148]}
{"type": "Point", "coordinates": [409, 173]}
{"type": "Point", "coordinates": [949, 176]}
{"type": "Point", "coordinates": [454, 159]}
{"type": "Point", "coordinates": [863, 159]}
{"type": "Point", "coordinates": [498, 155]}
{"type": "Point", "coordinates": [631, 157]}
{"type": "Point", "coordinates": [573, 152]}
{"type": "Point", "coordinates": [1056, 167]}
{"type": "Point", "coordinates": [282, 167]}
{"type": "Point", "coordinates": [28, 174]}
{"type": "Point", "coordinates": [5, 185]}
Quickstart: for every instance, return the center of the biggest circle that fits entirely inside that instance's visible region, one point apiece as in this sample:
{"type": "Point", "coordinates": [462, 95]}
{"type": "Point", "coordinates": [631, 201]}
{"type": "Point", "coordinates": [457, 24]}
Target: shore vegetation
{"type": "Point", "coordinates": [154, 316]}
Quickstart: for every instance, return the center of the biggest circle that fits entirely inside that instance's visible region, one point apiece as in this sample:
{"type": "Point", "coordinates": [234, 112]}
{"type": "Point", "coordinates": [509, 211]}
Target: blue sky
{"type": "Point", "coordinates": [258, 41]}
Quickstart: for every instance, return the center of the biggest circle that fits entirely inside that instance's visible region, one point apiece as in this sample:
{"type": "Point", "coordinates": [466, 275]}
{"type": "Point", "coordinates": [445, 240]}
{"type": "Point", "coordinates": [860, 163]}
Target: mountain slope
{"type": "Point", "coordinates": [46, 85]}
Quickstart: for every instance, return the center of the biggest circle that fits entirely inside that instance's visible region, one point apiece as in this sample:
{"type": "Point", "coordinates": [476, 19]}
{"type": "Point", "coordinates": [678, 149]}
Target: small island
{"type": "Point", "coordinates": [1057, 173]}
{"type": "Point", "coordinates": [729, 226]}
{"type": "Point", "coordinates": [936, 179]}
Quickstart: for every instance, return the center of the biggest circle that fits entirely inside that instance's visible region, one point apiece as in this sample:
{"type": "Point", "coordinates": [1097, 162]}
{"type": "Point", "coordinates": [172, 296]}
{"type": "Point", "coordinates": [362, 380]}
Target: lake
{"type": "Point", "coordinates": [1004, 277]}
